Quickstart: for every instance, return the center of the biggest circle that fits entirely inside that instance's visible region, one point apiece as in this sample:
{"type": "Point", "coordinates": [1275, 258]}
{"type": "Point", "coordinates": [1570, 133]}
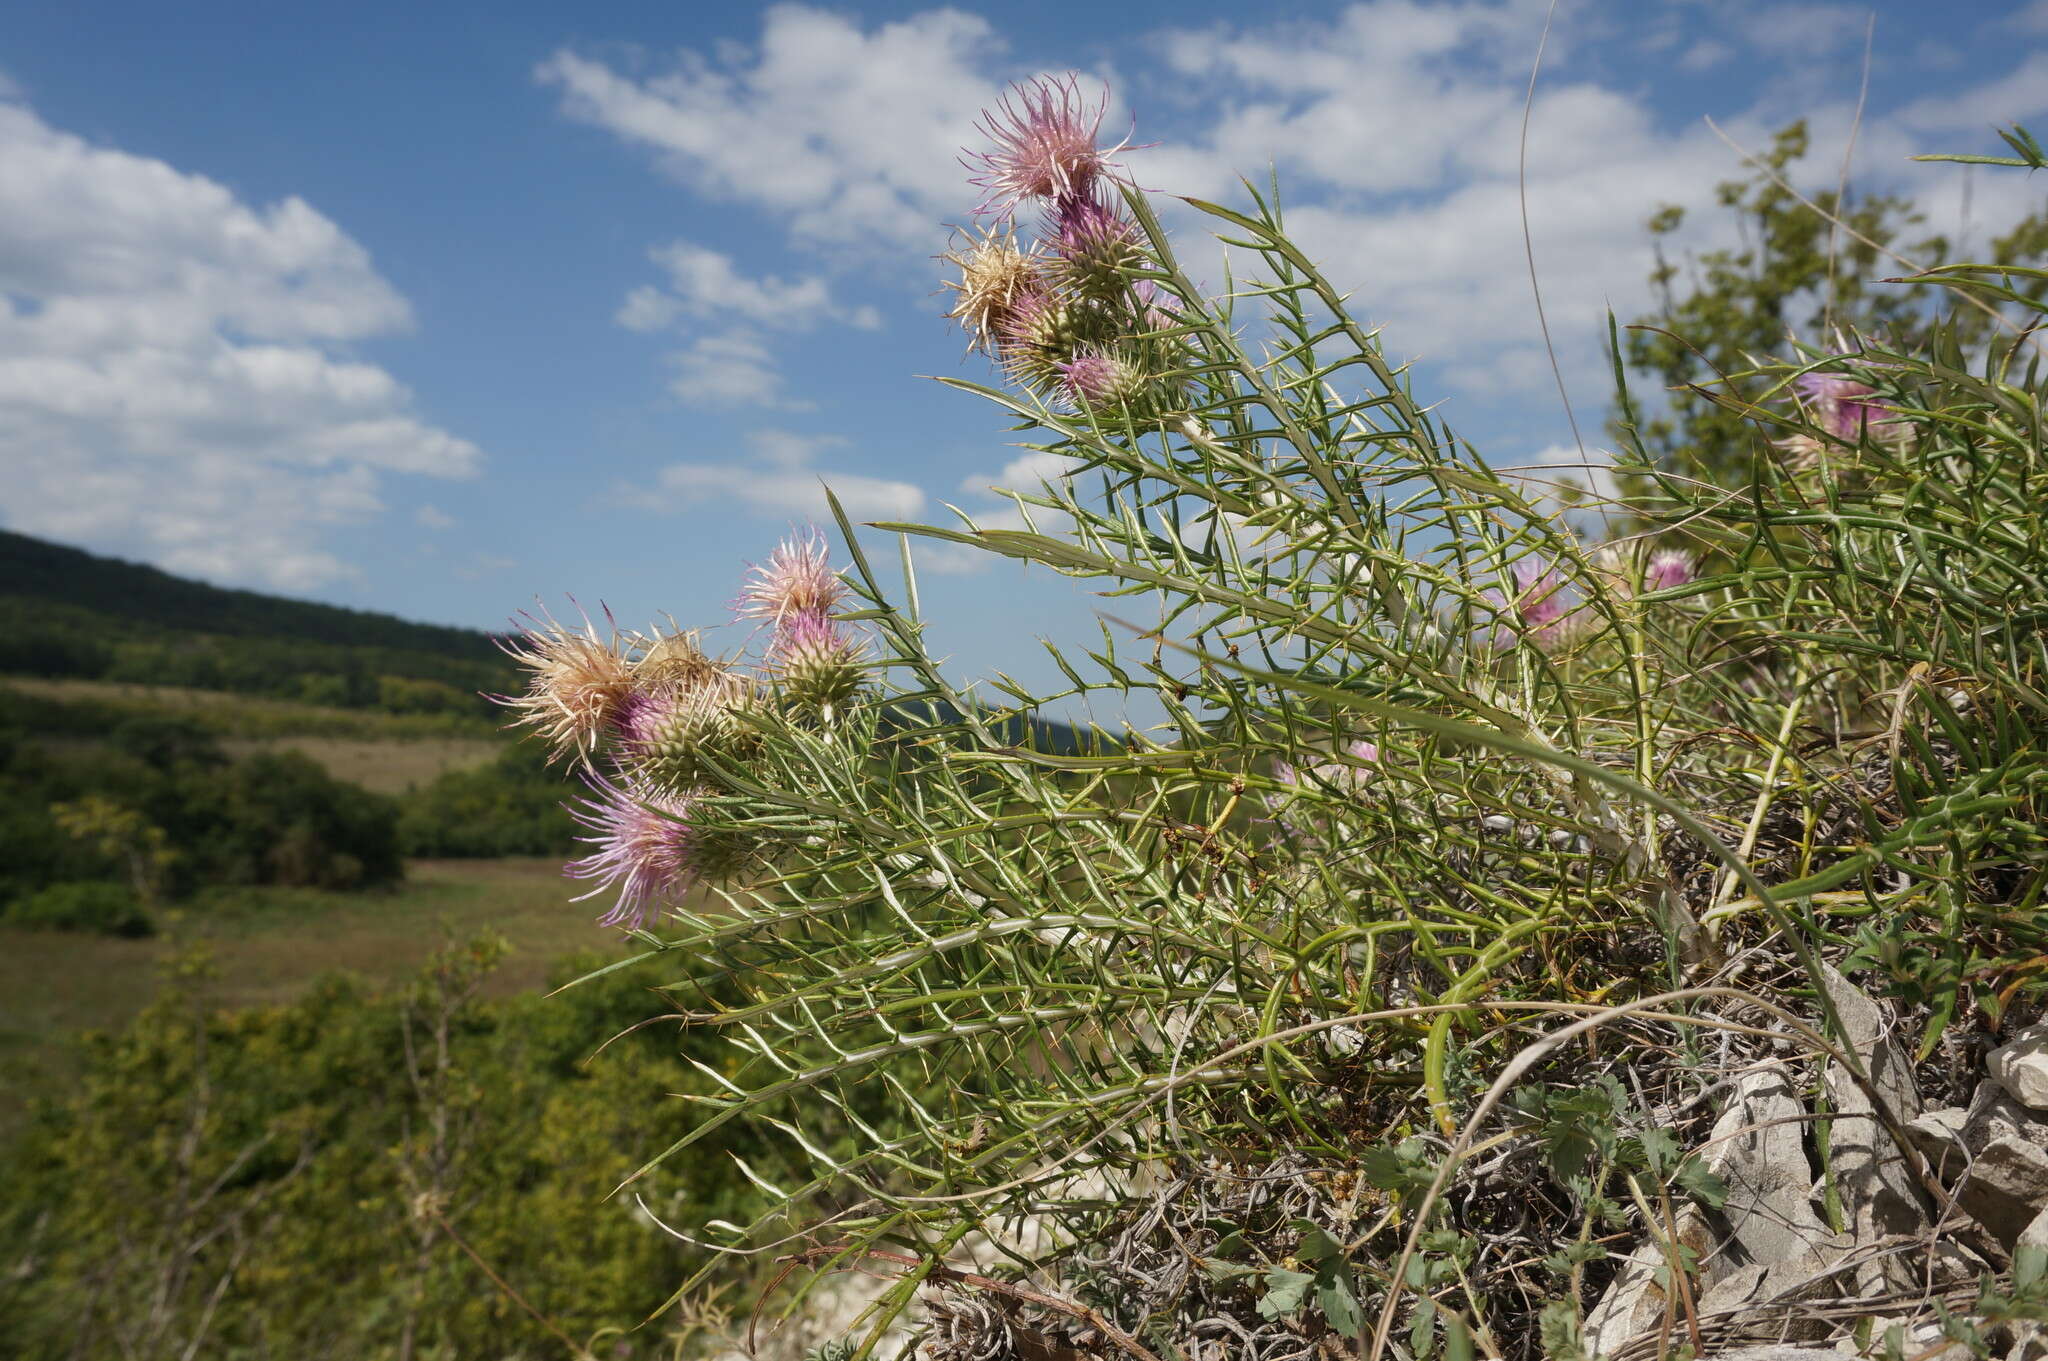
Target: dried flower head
{"type": "Point", "coordinates": [1361, 752]}
{"type": "Point", "coordinates": [1044, 133]}
{"type": "Point", "coordinates": [797, 579]}
{"type": "Point", "coordinates": [993, 275]}
{"type": "Point", "coordinates": [673, 662]}
{"type": "Point", "coordinates": [577, 681]}
{"type": "Point", "coordinates": [1803, 453]}
{"type": "Point", "coordinates": [1305, 823]}
{"type": "Point", "coordinates": [645, 846]}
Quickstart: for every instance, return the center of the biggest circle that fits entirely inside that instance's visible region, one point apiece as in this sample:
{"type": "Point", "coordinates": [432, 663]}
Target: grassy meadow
{"type": "Point", "coordinates": [267, 944]}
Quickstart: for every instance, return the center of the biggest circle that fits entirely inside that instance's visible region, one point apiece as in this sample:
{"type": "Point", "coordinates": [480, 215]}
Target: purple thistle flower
{"type": "Point", "coordinates": [1086, 225]}
{"type": "Point", "coordinates": [645, 848]}
{"type": "Point", "coordinates": [672, 738]}
{"type": "Point", "coordinates": [1540, 606]}
{"type": "Point", "coordinates": [1092, 244]}
{"type": "Point", "coordinates": [1044, 132]}
{"type": "Point", "coordinates": [1539, 602]}
{"type": "Point", "coordinates": [797, 579]}
{"type": "Point", "coordinates": [1838, 405]}
{"type": "Point", "coordinates": [1672, 567]}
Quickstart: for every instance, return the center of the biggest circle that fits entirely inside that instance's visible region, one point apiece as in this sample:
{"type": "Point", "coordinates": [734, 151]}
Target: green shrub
{"type": "Point", "coordinates": [512, 806]}
{"type": "Point", "coordinates": [99, 909]}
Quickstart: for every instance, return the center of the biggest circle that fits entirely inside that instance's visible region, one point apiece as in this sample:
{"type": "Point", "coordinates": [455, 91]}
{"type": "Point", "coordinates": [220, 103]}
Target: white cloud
{"type": "Point", "coordinates": [168, 384]}
{"type": "Point", "coordinates": [851, 135]}
{"type": "Point", "coordinates": [1027, 472]}
{"type": "Point", "coordinates": [433, 517]}
{"type": "Point", "coordinates": [1705, 55]}
{"type": "Point", "coordinates": [1562, 478]}
{"type": "Point", "coordinates": [733, 369]}
{"type": "Point", "coordinates": [2016, 97]}
{"type": "Point", "coordinates": [1420, 218]}
{"type": "Point", "coordinates": [704, 283]}
{"type": "Point", "coordinates": [780, 479]}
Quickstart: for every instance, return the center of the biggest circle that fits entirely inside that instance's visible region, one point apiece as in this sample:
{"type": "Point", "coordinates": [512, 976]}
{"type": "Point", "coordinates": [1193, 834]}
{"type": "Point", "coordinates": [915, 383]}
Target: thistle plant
{"type": "Point", "coordinates": [1418, 789]}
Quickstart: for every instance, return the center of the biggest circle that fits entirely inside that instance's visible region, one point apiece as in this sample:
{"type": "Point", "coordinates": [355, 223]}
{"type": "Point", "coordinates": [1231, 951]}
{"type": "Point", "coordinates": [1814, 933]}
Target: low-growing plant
{"type": "Point", "coordinates": [1359, 982]}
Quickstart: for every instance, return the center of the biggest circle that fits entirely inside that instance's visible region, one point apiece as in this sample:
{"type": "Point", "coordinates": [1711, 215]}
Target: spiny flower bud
{"type": "Point", "coordinates": [673, 738]}
{"type": "Point", "coordinates": [1041, 333]}
{"type": "Point", "coordinates": [817, 663]}
{"type": "Point", "coordinates": [797, 579]}
{"type": "Point", "coordinates": [577, 683]}
{"type": "Point", "coordinates": [1093, 244]}
{"type": "Point", "coordinates": [1097, 377]}
{"type": "Point", "coordinates": [993, 275]}
{"type": "Point", "coordinates": [649, 848]}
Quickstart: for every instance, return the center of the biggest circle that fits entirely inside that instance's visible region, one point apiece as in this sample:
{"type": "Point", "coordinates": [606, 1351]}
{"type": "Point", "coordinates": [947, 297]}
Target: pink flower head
{"type": "Point", "coordinates": [1367, 753]}
{"type": "Point", "coordinates": [1540, 606]}
{"type": "Point", "coordinates": [798, 579]}
{"type": "Point", "coordinates": [1672, 567]}
{"type": "Point", "coordinates": [1839, 405]}
{"type": "Point", "coordinates": [811, 632]}
{"type": "Point", "coordinates": [1044, 132]}
{"type": "Point", "coordinates": [1539, 602]}
{"type": "Point", "coordinates": [644, 848]}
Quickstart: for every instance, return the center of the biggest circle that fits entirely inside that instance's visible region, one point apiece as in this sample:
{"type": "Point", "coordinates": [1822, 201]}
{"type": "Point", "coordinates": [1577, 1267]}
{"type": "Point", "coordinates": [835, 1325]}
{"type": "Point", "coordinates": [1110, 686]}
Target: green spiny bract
{"type": "Point", "coordinates": [677, 739]}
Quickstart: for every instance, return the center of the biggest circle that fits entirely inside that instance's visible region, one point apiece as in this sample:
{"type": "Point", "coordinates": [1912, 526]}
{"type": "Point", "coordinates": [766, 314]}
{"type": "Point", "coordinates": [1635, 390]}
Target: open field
{"type": "Point", "coordinates": [383, 767]}
{"type": "Point", "coordinates": [252, 716]}
{"type": "Point", "coordinates": [268, 943]}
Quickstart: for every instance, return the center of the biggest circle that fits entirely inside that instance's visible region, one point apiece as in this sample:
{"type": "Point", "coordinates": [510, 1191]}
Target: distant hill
{"type": "Point", "coordinates": [58, 574]}
{"type": "Point", "coordinates": [65, 612]}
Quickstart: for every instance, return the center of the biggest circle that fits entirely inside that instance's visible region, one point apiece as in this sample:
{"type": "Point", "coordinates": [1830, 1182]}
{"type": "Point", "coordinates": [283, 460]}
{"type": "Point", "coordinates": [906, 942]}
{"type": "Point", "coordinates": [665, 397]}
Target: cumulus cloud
{"type": "Point", "coordinates": [732, 369]}
{"type": "Point", "coordinates": [704, 283]}
{"type": "Point", "coordinates": [817, 123]}
{"type": "Point", "coordinates": [169, 381]}
{"type": "Point", "coordinates": [780, 477]}
{"type": "Point", "coordinates": [1419, 219]}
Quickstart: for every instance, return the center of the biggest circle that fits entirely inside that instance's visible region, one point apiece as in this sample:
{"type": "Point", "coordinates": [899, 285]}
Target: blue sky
{"type": "Point", "coordinates": [435, 308]}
